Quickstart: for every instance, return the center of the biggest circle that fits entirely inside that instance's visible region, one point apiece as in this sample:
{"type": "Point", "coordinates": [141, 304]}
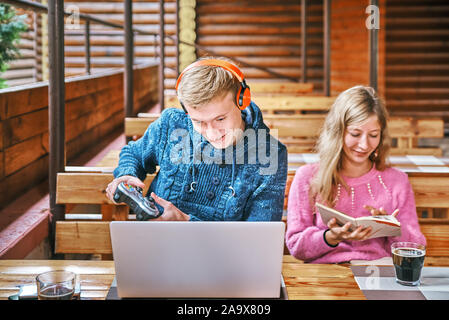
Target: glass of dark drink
{"type": "Point", "coordinates": [56, 285]}
{"type": "Point", "coordinates": [408, 260]}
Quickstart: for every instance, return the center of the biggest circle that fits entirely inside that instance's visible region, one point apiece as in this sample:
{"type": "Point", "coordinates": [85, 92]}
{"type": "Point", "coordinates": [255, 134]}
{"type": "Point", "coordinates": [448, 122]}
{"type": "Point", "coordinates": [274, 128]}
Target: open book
{"type": "Point", "coordinates": [382, 226]}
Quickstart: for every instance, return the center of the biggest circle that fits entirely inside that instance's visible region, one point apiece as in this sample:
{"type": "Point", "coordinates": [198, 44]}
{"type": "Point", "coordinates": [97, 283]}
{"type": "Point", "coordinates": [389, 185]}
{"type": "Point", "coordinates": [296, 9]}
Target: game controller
{"type": "Point", "coordinates": [144, 208]}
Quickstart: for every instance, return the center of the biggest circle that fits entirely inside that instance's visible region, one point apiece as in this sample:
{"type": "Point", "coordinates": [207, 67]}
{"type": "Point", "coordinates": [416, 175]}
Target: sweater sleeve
{"type": "Point", "coordinates": [304, 239]}
{"type": "Point", "coordinates": [141, 156]}
{"type": "Point", "coordinates": [267, 201]}
{"type": "Point", "coordinates": [405, 200]}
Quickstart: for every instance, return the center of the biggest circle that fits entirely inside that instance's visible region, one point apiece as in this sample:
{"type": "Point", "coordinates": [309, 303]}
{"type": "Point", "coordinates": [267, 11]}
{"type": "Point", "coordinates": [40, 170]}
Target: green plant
{"type": "Point", "coordinates": [10, 28]}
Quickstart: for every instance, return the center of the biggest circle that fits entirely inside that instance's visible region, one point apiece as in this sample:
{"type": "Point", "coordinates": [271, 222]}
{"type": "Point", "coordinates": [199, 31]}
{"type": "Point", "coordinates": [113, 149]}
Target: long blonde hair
{"type": "Point", "coordinates": [352, 106]}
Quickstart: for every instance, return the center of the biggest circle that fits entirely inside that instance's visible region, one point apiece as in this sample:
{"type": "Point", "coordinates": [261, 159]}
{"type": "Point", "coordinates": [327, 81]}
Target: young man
{"type": "Point", "coordinates": [217, 158]}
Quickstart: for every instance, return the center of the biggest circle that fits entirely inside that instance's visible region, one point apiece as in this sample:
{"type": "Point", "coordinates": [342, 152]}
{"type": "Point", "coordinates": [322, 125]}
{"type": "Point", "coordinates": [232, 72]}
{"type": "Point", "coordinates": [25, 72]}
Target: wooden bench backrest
{"type": "Point", "coordinates": [86, 188]}
{"type": "Point", "coordinates": [137, 126]}
{"type": "Point", "coordinates": [437, 236]}
{"type": "Point", "coordinates": [293, 104]}
{"type": "Point", "coordinates": [431, 191]}
{"type": "Point", "coordinates": [271, 87]}
{"type": "Point", "coordinates": [74, 188]}
{"type": "Point", "coordinates": [285, 103]}
{"type": "Point", "coordinates": [262, 89]}
{"type": "Point", "coordinates": [88, 237]}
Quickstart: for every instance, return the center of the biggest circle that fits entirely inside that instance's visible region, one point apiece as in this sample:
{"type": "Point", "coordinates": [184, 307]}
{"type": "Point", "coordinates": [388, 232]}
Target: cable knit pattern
{"type": "Point", "coordinates": [389, 189]}
{"type": "Point", "coordinates": [258, 197]}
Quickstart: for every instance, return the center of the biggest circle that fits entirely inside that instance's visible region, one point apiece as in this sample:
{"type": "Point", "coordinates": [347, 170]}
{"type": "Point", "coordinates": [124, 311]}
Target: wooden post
{"type": "Point", "coordinates": [56, 106]}
{"type": "Point", "coordinates": [87, 39]}
{"type": "Point", "coordinates": [129, 59]}
{"type": "Point", "coordinates": [304, 40]}
{"type": "Point", "coordinates": [326, 46]}
{"type": "Point", "coordinates": [373, 50]}
{"type": "Point", "coordinates": [177, 38]}
{"type": "Point", "coordinates": [161, 53]}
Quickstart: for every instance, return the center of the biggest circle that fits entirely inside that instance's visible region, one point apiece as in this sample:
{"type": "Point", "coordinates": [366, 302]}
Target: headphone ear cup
{"type": "Point", "coordinates": [246, 98]}
{"type": "Point", "coordinates": [243, 97]}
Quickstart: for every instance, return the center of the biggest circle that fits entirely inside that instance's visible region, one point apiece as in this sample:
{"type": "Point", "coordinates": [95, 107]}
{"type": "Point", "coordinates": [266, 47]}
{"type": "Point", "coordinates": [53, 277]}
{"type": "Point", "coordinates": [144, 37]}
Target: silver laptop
{"type": "Point", "coordinates": [198, 259]}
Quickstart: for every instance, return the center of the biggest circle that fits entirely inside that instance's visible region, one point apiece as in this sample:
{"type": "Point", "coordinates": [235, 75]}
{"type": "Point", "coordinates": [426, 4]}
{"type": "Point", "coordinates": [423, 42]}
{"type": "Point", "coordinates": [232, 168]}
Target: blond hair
{"type": "Point", "coordinates": [201, 84]}
{"type": "Point", "coordinates": [353, 106]}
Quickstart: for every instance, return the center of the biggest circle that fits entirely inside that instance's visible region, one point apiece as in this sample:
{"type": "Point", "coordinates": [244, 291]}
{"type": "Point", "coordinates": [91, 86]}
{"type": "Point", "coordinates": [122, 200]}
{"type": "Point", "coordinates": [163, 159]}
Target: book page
{"type": "Point", "coordinates": [382, 218]}
{"type": "Point", "coordinates": [327, 214]}
{"type": "Point", "coordinates": [383, 226]}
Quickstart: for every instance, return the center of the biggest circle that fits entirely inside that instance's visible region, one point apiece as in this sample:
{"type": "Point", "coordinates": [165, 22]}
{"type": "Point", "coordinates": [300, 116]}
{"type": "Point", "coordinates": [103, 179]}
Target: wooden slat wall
{"type": "Point", "coordinates": [350, 45]}
{"type": "Point", "coordinates": [24, 69]}
{"type": "Point", "coordinates": [94, 108]}
{"type": "Point", "coordinates": [265, 33]}
{"type": "Point", "coordinates": [417, 53]}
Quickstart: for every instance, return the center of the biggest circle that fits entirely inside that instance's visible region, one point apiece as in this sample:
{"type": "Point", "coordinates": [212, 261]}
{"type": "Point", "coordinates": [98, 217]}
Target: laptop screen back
{"type": "Point", "coordinates": [198, 259]}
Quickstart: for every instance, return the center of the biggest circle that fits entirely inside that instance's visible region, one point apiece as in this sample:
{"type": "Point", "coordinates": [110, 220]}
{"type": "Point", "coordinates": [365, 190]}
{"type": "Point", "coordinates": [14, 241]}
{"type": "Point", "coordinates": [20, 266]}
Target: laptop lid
{"type": "Point", "coordinates": [177, 259]}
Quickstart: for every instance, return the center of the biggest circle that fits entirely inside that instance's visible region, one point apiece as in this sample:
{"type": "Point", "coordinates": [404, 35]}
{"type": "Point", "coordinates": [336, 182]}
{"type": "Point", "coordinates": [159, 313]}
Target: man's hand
{"type": "Point", "coordinates": [171, 213]}
{"type": "Point", "coordinates": [336, 234]}
{"type": "Point", "coordinates": [131, 180]}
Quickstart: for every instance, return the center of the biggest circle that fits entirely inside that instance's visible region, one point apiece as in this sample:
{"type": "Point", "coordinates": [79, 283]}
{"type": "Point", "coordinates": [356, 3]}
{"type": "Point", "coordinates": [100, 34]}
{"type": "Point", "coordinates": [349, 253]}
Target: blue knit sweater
{"type": "Point", "coordinates": [242, 182]}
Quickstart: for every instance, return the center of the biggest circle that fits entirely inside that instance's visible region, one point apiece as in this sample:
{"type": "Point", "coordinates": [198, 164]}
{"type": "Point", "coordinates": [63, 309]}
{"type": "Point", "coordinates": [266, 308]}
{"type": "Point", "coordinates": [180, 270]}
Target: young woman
{"type": "Point", "coordinates": [212, 155]}
{"type": "Point", "coordinates": [353, 177]}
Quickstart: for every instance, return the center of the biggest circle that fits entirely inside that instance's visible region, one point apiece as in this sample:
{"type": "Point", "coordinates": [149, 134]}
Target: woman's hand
{"type": "Point", "coordinates": [380, 212]}
{"type": "Point", "coordinates": [130, 180]}
{"type": "Point", "coordinates": [336, 233]}
{"type": "Point", "coordinates": [171, 213]}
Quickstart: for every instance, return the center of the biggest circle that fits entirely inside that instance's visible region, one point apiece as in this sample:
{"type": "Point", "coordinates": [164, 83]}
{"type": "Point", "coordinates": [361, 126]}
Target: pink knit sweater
{"type": "Point", "coordinates": [389, 189]}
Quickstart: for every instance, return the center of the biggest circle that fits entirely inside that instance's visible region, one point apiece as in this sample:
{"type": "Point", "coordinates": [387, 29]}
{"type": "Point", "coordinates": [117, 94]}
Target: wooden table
{"type": "Point", "coordinates": [319, 281]}
{"type": "Point", "coordinates": [303, 281]}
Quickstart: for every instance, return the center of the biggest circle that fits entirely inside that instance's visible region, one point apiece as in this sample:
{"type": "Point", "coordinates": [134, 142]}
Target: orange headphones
{"type": "Point", "coordinates": [243, 97]}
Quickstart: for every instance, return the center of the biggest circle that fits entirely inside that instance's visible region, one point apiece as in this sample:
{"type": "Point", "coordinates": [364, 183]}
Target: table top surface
{"type": "Point", "coordinates": [303, 281]}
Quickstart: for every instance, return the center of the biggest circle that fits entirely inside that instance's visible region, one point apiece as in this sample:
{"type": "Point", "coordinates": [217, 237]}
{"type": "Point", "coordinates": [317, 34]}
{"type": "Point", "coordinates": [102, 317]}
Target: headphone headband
{"type": "Point", "coordinates": [213, 62]}
{"type": "Point", "coordinates": [243, 98]}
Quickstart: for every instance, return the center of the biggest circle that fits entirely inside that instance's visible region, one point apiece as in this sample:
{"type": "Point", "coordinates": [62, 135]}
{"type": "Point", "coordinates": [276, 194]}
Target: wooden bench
{"type": "Point", "coordinates": [87, 187]}
{"type": "Point", "coordinates": [83, 237]}
{"type": "Point", "coordinates": [431, 190]}
{"type": "Point", "coordinates": [290, 104]}
{"type": "Point", "coordinates": [300, 132]}
{"type": "Point", "coordinates": [90, 188]}
{"type": "Point", "coordinates": [272, 87]}
{"type": "Point", "coordinates": [136, 126]}
{"type": "Point", "coordinates": [261, 89]}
